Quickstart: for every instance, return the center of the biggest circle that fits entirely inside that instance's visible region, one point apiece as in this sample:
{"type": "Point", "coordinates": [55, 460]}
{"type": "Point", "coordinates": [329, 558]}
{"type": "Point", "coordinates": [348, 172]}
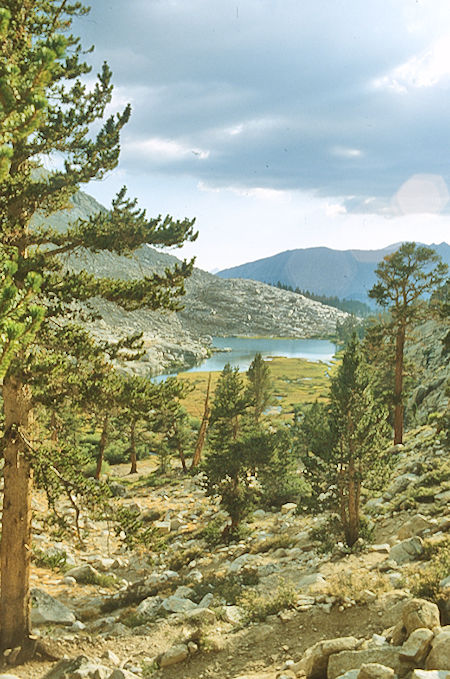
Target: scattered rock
{"type": "Point", "coordinates": [417, 646]}
{"type": "Point", "coordinates": [174, 655]}
{"type": "Point", "coordinates": [375, 671]}
{"type": "Point", "coordinates": [407, 550]}
{"type": "Point", "coordinates": [420, 613]}
{"type": "Point", "coordinates": [48, 610]}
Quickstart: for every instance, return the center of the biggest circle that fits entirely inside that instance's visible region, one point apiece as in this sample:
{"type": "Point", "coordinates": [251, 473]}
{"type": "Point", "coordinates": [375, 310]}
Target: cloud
{"type": "Point", "coordinates": [345, 100]}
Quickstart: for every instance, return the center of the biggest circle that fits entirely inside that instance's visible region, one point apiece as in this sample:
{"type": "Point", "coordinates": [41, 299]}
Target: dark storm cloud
{"type": "Point", "coordinates": [274, 94]}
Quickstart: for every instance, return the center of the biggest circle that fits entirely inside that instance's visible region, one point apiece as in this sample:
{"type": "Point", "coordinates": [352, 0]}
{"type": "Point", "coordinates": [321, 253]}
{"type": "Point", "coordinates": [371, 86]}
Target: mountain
{"type": "Point", "coordinates": [212, 306]}
{"type": "Point", "coordinates": [348, 274]}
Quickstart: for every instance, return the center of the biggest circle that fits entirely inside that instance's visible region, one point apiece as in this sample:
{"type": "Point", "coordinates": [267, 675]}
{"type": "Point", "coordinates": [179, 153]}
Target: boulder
{"type": "Point", "coordinates": [288, 507]}
{"type": "Point", "coordinates": [83, 574]}
{"type": "Point", "coordinates": [375, 671]}
{"type": "Point", "coordinates": [420, 613]}
{"type": "Point", "coordinates": [417, 646]}
{"type": "Point", "coordinates": [201, 616]}
{"type": "Point", "coordinates": [415, 526]}
{"type": "Point", "coordinates": [121, 673]}
{"type": "Point", "coordinates": [315, 661]}
{"type": "Point", "coordinates": [339, 663]}
{"type": "Point", "coordinates": [149, 607]}
{"type": "Point", "coordinates": [80, 667]}
{"type": "Point", "coordinates": [175, 604]}
{"type": "Point", "coordinates": [439, 657]}
{"type": "Point", "coordinates": [45, 609]}
{"type": "Point", "coordinates": [174, 655]}
{"type": "Point", "coordinates": [407, 550]}
{"type": "Point", "coordinates": [233, 614]}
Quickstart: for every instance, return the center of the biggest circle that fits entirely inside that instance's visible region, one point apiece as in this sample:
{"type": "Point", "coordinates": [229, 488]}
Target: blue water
{"type": "Point", "coordinates": [243, 350]}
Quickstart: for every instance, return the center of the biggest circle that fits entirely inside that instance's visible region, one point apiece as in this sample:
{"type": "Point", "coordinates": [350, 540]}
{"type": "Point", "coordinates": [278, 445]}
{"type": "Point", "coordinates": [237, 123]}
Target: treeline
{"type": "Point", "coordinates": [351, 306]}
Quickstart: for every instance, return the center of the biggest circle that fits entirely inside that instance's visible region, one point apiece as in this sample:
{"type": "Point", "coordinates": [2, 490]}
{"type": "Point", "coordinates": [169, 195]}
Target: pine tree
{"type": "Point", "coordinates": [404, 277]}
{"type": "Point", "coordinates": [260, 386]}
{"type": "Point", "coordinates": [46, 109]}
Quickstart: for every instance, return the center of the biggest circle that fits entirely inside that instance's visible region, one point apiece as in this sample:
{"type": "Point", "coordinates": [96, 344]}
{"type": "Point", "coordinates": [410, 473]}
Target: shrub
{"type": "Point", "coordinates": [56, 561]}
{"type": "Point", "coordinates": [272, 543]}
{"type": "Point", "coordinates": [184, 556]}
{"type": "Point", "coordinates": [258, 606]}
{"type": "Point", "coordinates": [425, 583]}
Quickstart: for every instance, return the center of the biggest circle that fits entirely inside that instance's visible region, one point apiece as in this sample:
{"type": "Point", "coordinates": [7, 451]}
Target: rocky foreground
{"type": "Point", "coordinates": [286, 601]}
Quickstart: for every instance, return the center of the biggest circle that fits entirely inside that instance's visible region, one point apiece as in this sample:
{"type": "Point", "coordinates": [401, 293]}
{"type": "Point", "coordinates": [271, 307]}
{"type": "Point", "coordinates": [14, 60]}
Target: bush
{"type": "Point", "coordinates": [56, 561]}
{"type": "Point", "coordinates": [227, 587]}
{"type": "Point", "coordinates": [425, 583]}
{"type": "Point", "coordinates": [272, 543]}
{"type": "Point", "coordinates": [257, 606]}
{"type": "Point", "coordinates": [184, 556]}
{"type": "Point", "coordinates": [214, 533]}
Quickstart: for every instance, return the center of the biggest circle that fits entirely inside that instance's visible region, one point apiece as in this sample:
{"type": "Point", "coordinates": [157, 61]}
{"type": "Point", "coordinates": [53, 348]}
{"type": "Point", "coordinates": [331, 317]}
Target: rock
{"type": "Point", "coordinates": [417, 646]}
{"type": "Point", "coordinates": [439, 657]}
{"type": "Point", "coordinates": [407, 550]}
{"type": "Point", "coordinates": [306, 581]}
{"type": "Point", "coordinates": [351, 674]}
{"type": "Point", "coordinates": [430, 674]}
{"type": "Point", "coordinates": [78, 668]}
{"type": "Point", "coordinates": [111, 657]}
{"type": "Point", "coordinates": [339, 663]}
{"type": "Point", "coordinates": [162, 526]}
{"type": "Point", "coordinates": [288, 507]}
{"type": "Point", "coordinates": [315, 660]}
{"type": "Point", "coordinates": [174, 655]}
{"type": "Point", "coordinates": [415, 526]}
{"type": "Point", "coordinates": [83, 574]}
{"type": "Point", "coordinates": [174, 604]}
{"type": "Point", "coordinates": [202, 616]}
{"type": "Point", "coordinates": [242, 561]}
{"type": "Point", "coordinates": [420, 613]}
{"type": "Point", "coordinates": [233, 614]}
{"type": "Point", "coordinates": [259, 514]}
{"type": "Point", "coordinates": [148, 608]}
{"type": "Point", "coordinates": [384, 548]}
{"type": "Point", "coordinates": [8, 676]}
{"type": "Point", "coordinates": [45, 609]}
{"type": "Point", "coordinates": [206, 601]}
{"type": "Point", "coordinates": [375, 671]}
{"type": "Point", "coordinates": [78, 626]}
{"type": "Point", "coordinates": [121, 673]}
{"type": "Point", "coordinates": [399, 634]}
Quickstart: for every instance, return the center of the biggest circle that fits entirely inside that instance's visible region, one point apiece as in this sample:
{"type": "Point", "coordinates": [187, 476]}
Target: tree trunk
{"type": "Point", "coordinates": [133, 457]}
{"type": "Point", "coordinates": [203, 428]}
{"type": "Point", "coordinates": [352, 532]}
{"type": "Point", "coordinates": [183, 460]}
{"type": "Point", "coordinates": [102, 446]}
{"type": "Point", "coordinates": [15, 550]}
{"type": "Point", "coordinates": [398, 387]}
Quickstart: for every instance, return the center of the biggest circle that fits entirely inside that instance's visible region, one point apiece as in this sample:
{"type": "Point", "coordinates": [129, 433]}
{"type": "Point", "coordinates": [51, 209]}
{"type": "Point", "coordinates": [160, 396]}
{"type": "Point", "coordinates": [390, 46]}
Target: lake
{"type": "Point", "coordinates": [241, 351]}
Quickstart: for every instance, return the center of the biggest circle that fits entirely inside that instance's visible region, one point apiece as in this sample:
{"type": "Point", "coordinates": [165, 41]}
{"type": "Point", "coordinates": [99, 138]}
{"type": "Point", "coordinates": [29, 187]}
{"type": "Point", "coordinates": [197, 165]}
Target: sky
{"type": "Point", "coordinates": [281, 124]}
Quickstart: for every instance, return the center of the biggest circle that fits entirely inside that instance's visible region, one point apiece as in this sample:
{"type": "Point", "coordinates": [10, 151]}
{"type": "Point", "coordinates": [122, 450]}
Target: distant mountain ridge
{"type": "Point", "coordinates": [348, 274]}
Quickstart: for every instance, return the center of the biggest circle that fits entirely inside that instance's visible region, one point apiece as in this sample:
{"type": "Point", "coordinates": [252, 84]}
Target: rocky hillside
{"type": "Point", "coordinates": [212, 306]}
{"type": "Point", "coordinates": [287, 601]}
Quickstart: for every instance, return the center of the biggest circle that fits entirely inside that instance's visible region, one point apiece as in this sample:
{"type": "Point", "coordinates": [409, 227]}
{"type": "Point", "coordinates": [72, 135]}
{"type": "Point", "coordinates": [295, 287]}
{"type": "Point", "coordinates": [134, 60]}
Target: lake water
{"type": "Point", "coordinates": [241, 351]}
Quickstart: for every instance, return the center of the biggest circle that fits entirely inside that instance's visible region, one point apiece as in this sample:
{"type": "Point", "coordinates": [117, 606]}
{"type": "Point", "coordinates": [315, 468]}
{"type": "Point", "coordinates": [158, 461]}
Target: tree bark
{"type": "Point", "coordinates": [15, 549]}
{"type": "Point", "coordinates": [133, 456]}
{"type": "Point", "coordinates": [102, 446]}
{"type": "Point", "coordinates": [398, 386]}
{"type": "Point", "coordinates": [203, 428]}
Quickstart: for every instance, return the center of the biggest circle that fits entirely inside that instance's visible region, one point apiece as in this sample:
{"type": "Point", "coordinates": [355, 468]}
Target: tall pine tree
{"type": "Point", "coordinates": [46, 109]}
